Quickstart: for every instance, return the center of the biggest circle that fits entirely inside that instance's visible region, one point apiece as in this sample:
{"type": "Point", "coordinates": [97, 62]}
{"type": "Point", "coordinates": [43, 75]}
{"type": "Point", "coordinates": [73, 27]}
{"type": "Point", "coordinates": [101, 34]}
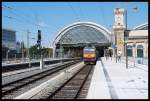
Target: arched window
{"type": "Point", "coordinates": [129, 50]}
{"type": "Point", "coordinates": [140, 51]}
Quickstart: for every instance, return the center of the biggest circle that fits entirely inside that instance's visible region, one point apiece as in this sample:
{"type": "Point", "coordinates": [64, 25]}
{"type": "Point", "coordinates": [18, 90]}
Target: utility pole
{"type": "Point", "coordinates": [28, 54]}
{"type": "Point", "coordinates": [49, 52]}
{"type": "Point", "coordinates": [116, 46]}
{"type": "Point", "coordinates": [127, 34]}
{"type": "Point", "coordinates": [125, 39]}
{"type": "Point", "coordinates": [39, 42]}
{"type": "Point", "coordinates": [22, 51]}
{"type": "Point", "coordinates": [134, 46]}
{"type": "Point", "coordinates": [40, 49]}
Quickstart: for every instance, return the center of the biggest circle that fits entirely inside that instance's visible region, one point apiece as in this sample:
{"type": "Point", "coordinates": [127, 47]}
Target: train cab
{"type": "Point", "coordinates": [89, 55]}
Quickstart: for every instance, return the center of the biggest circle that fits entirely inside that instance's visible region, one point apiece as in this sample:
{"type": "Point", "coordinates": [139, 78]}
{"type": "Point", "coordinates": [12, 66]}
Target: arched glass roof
{"type": "Point", "coordinates": [83, 32]}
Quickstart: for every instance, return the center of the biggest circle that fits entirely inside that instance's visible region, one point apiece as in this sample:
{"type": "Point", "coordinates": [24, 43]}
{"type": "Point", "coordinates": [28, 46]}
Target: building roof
{"type": "Point", "coordinates": [8, 29]}
{"type": "Point", "coordinates": [139, 33]}
{"type": "Point", "coordinates": [83, 32]}
{"type": "Point", "coordinates": [141, 27]}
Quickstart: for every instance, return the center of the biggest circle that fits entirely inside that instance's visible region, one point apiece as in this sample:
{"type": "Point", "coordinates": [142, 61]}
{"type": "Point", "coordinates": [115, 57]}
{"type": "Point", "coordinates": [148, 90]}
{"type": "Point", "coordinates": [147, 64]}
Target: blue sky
{"type": "Point", "coordinates": [54, 16]}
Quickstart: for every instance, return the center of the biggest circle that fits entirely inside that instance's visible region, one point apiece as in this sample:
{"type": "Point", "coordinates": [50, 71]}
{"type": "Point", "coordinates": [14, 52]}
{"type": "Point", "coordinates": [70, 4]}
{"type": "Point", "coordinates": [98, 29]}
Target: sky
{"type": "Point", "coordinates": [53, 16]}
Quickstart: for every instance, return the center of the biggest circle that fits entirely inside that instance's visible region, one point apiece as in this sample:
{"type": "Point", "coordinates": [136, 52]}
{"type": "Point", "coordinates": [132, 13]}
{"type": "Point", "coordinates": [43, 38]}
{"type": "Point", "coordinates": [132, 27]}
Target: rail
{"type": "Point", "coordinates": [11, 87]}
{"type": "Point", "coordinates": [11, 67]}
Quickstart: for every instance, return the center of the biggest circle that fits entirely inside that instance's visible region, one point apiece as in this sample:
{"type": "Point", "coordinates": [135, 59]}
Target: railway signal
{"type": "Point", "coordinates": [39, 38]}
{"type": "Point", "coordinates": [39, 42]}
{"type": "Point", "coordinates": [39, 35]}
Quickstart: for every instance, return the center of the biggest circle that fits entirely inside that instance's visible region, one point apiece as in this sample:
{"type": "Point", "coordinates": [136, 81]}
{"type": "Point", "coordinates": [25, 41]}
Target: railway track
{"type": "Point", "coordinates": [13, 67]}
{"type": "Point", "coordinates": [14, 86]}
{"type": "Point", "coordinates": [71, 89]}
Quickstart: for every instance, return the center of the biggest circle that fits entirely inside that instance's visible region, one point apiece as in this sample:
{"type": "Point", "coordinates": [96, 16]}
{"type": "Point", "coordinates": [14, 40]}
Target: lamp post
{"type": "Point", "coordinates": [22, 45]}
{"type": "Point", "coordinates": [125, 38]}
{"type": "Point", "coordinates": [28, 41]}
{"type": "Point", "coordinates": [134, 45]}
{"type": "Point", "coordinates": [29, 48]}
{"type": "Point", "coordinates": [126, 34]}
{"type": "Point", "coordinates": [28, 54]}
{"type": "Point", "coordinates": [115, 47]}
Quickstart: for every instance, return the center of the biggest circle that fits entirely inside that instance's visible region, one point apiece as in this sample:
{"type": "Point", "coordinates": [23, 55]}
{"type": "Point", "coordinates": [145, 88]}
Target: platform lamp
{"type": "Point", "coordinates": [126, 33]}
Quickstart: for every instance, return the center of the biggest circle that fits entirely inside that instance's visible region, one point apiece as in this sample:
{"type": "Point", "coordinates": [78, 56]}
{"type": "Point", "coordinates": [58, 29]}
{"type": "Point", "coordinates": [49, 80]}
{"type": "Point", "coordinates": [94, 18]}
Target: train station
{"type": "Point", "coordinates": [103, 55]}
{"type": "Point", "coordinates": [73, 38]}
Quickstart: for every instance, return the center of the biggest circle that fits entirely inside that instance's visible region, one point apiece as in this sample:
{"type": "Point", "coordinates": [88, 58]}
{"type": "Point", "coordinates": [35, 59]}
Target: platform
{"type": "Point", "coordinates": [113, 80]}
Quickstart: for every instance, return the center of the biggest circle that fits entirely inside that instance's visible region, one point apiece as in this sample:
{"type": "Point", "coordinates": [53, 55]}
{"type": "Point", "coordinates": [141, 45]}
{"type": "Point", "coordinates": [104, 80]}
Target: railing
{"type": "Point", "coordinates": [138, 60]}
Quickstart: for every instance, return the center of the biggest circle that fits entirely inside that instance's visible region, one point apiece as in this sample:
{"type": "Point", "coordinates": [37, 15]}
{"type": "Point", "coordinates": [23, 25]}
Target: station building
{"type": "Point", "coordinates": [137, 42]}
{"type": "Point", "coordinates": [71, 40]}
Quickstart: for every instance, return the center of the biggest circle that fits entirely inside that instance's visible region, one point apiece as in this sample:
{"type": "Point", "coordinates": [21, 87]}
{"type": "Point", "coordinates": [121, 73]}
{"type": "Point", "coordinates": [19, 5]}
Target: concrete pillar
{"type": "Point", "coordinates": [145, 49]}
{"type": "Point", "coordinates": [54, 48]}
{"type": "Point", "coordinates": [69, 53]}
{"type": "Point", "coordinates": [41, 62]}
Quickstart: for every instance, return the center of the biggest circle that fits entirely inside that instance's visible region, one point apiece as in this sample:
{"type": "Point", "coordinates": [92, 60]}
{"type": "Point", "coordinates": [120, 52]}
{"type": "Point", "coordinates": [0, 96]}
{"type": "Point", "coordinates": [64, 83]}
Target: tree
{"type": "Point", "coordinates": [35, 52]}
{"type": "Point", "coordinates": [47, 52]}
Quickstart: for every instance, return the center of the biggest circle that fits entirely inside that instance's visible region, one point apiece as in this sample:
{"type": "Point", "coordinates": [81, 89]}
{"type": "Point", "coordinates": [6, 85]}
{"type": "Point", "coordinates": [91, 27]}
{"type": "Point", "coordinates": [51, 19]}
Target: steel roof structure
{"type": "Point", "coordinates": [82, 33]}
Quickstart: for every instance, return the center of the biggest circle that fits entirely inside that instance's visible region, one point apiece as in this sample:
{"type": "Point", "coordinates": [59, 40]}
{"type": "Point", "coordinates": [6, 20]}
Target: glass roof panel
{"type": "Point", "coordinates": [83, 34]}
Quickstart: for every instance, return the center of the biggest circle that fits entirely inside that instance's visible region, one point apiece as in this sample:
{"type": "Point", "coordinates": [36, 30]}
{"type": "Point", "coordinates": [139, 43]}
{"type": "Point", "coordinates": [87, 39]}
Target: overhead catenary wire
{"type": "Point", "coordinates": [82, 11]}
{"type": "Point", "coordinates": [104, 17]}
{"type": "Point", "coordinates": [76, 15]}
{"type": "Point", "coordinates": [102, 13]}
{"type": "Point", "coordinates": [20, 30]}
{"type": "Point", "coordinates": [23, 19]}
{"type": "Point", "coordinates": [37, 18]}
{"type": "Point", "coordinates": [19, 21]}
{"type": "Point", "coordinates": [21, 16]}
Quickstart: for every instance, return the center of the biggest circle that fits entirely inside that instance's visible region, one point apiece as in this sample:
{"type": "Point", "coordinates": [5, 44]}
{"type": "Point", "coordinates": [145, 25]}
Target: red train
{"type": "Point", "coordinates": [89, 55]}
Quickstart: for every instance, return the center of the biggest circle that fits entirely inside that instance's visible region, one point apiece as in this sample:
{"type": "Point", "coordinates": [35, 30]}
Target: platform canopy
{"type": "Point", "coordinates": [82, 33]}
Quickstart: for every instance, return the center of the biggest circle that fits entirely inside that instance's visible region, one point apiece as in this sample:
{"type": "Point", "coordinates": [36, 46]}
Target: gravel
{"type": "Point", "coordinates": [30, 86]}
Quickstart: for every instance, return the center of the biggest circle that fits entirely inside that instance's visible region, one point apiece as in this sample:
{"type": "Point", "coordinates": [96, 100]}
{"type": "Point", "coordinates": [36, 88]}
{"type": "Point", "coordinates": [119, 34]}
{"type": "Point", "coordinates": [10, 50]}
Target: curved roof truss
{"type": "Point", "coordinates": [99, 33]}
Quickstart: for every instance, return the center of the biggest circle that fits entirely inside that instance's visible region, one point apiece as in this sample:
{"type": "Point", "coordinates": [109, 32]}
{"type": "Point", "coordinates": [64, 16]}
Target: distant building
{"type": "Point", "coordinates": [8, 42]}
{"type": "Point", "coordinates": [9, 38]}
{"type": "Point", "coordinates": [18, 47]}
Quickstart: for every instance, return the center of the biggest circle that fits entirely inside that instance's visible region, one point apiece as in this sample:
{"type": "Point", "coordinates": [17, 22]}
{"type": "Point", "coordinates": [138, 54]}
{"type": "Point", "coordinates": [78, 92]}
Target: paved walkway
{"type": "Point", "coordinates": [112, 80]}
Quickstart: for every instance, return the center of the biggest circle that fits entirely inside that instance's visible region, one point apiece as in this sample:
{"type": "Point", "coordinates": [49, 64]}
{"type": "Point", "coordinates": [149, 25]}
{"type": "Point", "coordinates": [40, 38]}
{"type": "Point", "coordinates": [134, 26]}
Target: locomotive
{"type": "Point", "coordinates": [89, 55]}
